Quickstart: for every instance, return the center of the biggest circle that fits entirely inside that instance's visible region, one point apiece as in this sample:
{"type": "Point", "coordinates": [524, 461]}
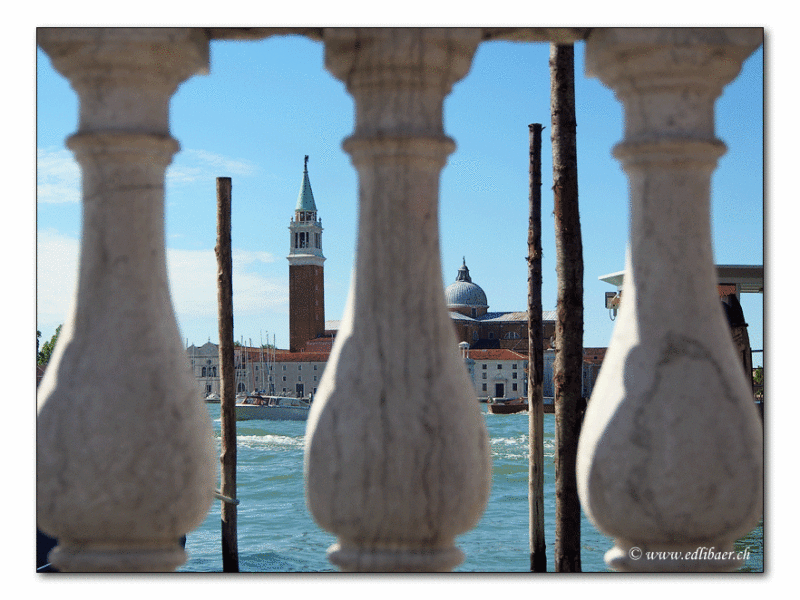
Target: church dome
{"type": "Point", "coordinates": [464, 296]}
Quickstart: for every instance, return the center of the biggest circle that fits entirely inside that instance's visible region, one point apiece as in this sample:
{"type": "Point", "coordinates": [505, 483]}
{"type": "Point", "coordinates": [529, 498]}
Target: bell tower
{"type": "Point", "coordinates": [306, 285]}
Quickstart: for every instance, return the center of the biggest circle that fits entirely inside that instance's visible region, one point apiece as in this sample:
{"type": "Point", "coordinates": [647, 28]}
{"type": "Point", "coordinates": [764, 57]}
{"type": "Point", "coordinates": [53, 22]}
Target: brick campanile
{"type": "Point", "coordinates": [306, 284]}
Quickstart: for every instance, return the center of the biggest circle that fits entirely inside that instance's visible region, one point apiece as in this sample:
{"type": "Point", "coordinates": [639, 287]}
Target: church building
{"type": "Point", "coordinates": [484, 330]}
{"type": "Point", "coordinates": [496, 356]}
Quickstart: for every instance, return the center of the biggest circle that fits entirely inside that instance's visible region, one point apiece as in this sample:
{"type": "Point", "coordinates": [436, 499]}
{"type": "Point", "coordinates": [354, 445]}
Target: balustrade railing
{"type": "Point", "coordinates": [125, 464]}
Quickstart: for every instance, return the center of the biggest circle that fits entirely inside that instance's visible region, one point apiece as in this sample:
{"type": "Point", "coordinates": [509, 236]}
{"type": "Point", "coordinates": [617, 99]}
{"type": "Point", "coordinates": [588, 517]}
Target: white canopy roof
{"type": "Point", "coordinates": [747, 278]}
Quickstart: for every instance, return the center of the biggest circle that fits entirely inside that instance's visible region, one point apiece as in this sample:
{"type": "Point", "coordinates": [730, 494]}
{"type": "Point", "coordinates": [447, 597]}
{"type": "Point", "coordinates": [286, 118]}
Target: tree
{"type": "Point", "coordinates": [43, 355]}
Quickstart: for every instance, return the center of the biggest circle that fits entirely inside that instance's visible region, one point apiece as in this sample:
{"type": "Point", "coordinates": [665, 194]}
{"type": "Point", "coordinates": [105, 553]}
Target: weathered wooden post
{"type": "Point", "coordinates": [230, 549]}
{"type": "Point", "coordinates": [535, 357]}
{"type": "Point", "coordinates": [568, 367]}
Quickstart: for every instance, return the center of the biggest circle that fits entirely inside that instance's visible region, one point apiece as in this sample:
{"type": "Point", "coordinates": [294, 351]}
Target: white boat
{"type": "Point", "coordinates": [213, 398]}
{"type": "Point", "coordinates": [272, 408]}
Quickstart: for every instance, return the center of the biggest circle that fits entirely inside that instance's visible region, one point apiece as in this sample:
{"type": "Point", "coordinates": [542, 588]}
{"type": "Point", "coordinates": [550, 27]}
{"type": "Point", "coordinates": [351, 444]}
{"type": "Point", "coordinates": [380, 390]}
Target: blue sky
{"type": "Point", "coordinates": [266, 104]}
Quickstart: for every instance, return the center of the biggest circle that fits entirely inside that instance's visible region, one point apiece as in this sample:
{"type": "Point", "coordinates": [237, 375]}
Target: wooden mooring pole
{"type": "Point", "coordinates": [535, 357]}
{"type": "Point", "coordinates": [568, 366]}
{"type": "Point", "coordinates": [230, 545]}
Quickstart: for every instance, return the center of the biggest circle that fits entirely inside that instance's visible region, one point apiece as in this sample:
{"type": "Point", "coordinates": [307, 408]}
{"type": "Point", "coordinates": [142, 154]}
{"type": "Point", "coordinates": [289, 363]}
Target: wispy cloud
{"type": "Point", "coordinates": [58, 177]}
{"type": "Point", "coordinates": [56, 277]}
{"type": "Point", "coordinates": [193, 277]}
{"type": "Point", "coordinates": [242, 258]}
{"type": "Point", "coordinates": [193, 280]}
{"type": "Point", "coordinates": [194, 165]}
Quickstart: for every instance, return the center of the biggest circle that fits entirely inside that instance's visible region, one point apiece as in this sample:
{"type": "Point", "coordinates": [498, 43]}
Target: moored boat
{"type": "Point", "coordinates": [501, 406]}
{"type": "Point", "coordinates": [507, 406]}
{"type": "Point", "coordinates": [272, 408]}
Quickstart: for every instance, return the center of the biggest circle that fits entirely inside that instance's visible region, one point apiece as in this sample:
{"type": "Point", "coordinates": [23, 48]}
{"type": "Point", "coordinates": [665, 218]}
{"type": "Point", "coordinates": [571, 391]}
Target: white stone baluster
{"type": "Point", "coordinates": [125, 455]}
{"type": "Point", "coordinates": [397, 458]}
{"type": "Point", "coordinates": [670, 456]}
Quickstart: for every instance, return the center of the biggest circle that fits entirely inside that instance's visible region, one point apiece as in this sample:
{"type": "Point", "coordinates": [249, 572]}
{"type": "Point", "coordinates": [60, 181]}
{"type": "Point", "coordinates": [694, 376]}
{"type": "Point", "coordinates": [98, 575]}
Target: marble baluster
{"type": "Point", "coordinates": [397, 460]}
{"type": "Point", "coordinates": [125, 456]}
{"type": "Point", "coordinates": [670, 455]}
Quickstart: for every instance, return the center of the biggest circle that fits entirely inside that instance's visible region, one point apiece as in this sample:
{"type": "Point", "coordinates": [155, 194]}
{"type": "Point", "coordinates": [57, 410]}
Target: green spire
{"type": "Point", "coordinates": [305, 200]}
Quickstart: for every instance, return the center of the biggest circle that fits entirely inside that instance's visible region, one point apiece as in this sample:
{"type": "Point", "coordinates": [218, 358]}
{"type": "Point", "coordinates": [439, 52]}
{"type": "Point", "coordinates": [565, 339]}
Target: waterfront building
{"type": "Point", "coordinates": [503, 373]}
{"type": "Point", "coordinates": [494, 372]}
{"type": "Point", "coordinates": [265, 370]}
{"type": "Point", "coordinates": [498, 373]}
{"type": "Point", "coordinates": [204, 362]}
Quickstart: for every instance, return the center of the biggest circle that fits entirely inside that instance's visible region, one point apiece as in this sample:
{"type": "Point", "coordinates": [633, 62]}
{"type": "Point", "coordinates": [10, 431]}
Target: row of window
{"type": "Point", "coordinates": [511, 335]}
{"type": "Point", "coordinates": [212, 371]}
{"type": "Point", "coordinates": [513, 375]}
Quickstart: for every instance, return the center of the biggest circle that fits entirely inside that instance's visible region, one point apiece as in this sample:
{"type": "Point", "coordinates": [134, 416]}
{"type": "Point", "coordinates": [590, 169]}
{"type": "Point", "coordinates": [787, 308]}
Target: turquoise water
{"type": "Point", "coordinates": [277, 533]}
